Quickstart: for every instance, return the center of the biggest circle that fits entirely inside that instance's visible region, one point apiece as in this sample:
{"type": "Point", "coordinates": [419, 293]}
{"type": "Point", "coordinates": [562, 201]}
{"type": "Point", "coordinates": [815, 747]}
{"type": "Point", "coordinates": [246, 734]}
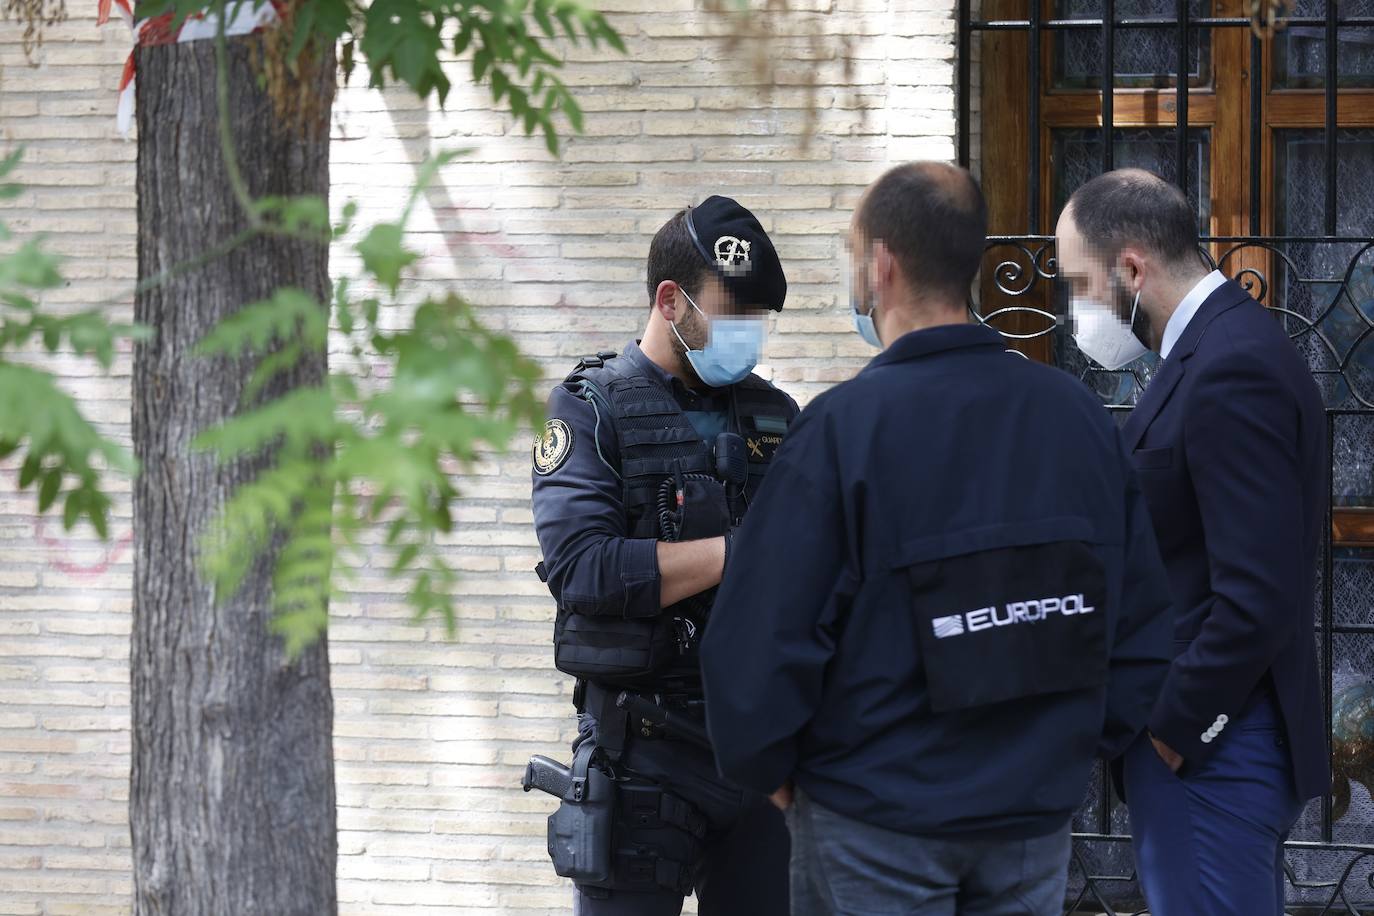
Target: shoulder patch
{"type": "Point", "coordinates": [552, 448]}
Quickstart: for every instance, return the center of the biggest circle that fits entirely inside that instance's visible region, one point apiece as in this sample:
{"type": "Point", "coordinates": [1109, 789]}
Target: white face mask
{"type": "Point", "coordinates": [1102, 335]}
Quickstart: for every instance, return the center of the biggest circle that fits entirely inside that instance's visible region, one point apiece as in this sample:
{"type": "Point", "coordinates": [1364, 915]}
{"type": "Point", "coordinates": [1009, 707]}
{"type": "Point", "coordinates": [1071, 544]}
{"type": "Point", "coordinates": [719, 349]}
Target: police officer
{"type": "Point", "coordinates": [947, 600]}
{"type": "Point", "coordinates": [645, 467]}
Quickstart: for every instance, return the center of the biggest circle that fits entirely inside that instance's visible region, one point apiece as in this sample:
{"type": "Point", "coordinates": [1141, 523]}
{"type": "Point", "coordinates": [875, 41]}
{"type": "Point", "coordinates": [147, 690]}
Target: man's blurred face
{"type": "Point", "coordinates": [1085, 275]}
{"type": "Point", "coordinates": [858, 253]}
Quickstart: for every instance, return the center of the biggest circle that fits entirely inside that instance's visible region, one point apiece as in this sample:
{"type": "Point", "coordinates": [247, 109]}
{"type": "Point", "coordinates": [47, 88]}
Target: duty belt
{"type": "Point", "coordinates": [654, 716]}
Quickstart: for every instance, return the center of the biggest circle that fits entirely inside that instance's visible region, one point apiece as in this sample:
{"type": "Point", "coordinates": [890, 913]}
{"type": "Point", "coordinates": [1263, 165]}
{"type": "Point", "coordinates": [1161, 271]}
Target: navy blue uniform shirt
{"type": "Point", "coordinates": [816, 658]}
{"type": "Point", "coordinates": [579, 508]}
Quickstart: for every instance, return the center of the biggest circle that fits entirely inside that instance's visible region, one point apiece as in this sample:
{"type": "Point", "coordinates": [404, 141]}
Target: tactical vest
{"type": "Point", "coordinates": [657, 442]}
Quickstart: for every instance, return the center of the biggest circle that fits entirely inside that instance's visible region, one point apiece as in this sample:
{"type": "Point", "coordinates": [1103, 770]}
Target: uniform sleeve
{"type": "Point", "coordinates": [1241, 440]}
{"type": "Point", "coordinates": [1144, 631]}
{"type": "Point", "coordinates": [579, 517]}
{"type": "Point", "coordinates": [769, 637]}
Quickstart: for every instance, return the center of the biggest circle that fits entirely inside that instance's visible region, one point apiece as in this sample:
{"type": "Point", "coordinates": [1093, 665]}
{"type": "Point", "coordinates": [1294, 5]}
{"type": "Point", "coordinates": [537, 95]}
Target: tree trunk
{"type": "Point", "coordinates": [232, 796]}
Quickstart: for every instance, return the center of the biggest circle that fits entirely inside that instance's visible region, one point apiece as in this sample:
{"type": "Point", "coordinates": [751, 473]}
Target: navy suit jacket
{"type": "Point", "coordinates": [1229, 442]}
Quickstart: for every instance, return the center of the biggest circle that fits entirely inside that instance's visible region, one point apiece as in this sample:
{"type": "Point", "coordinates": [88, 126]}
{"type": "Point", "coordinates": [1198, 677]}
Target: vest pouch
{"type": "Point", "coordinates": [1010, 612]}
{"type": "Point", "coordinates": [614, 649]}
{"type": "Point", "coordinates": [704, 512]}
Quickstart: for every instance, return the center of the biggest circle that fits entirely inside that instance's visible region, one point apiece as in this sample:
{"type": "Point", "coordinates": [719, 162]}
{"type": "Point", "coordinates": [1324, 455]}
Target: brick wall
{"type": "Point", "coordinates": [431, 733]}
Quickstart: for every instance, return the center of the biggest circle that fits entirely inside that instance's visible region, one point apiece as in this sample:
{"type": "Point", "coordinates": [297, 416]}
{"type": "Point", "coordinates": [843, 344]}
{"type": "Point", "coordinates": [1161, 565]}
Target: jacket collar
{"type": "Point", "coordinates": [1223, 299]}
{"type": "Point", "coordinates": [939, 339]}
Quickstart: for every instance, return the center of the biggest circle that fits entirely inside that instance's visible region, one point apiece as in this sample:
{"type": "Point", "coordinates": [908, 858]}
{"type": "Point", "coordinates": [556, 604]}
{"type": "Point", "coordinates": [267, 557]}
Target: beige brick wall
{"type": "Point", "coordinates": [431, 733]}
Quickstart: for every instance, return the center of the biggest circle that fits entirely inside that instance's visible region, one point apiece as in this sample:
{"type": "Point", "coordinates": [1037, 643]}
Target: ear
{"type": "Point", "coordinates": [882, 264]}
{"type": "Point", "coordinates": [1133, 267]}
{"type": "Point", "coordinates": [666, 300]}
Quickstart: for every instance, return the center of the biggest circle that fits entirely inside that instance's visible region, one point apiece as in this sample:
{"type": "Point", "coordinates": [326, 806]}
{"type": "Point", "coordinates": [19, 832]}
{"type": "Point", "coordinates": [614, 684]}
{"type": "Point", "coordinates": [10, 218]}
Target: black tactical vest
{"type": "Point", "coordinates": [657, 442]}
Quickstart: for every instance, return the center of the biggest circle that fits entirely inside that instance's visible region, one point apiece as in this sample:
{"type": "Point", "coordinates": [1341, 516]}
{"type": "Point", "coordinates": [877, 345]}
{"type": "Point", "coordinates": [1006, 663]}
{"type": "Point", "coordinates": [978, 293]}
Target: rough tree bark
{"type": "Point", "coordinates": [232, 794]}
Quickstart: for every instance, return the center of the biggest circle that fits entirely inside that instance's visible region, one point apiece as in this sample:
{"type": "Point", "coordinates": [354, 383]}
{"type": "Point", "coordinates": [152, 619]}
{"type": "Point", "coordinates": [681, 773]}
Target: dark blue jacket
{"type": "Point", "coordinates": [1229, 443]}
{"type": "Point", "coordinates": [947, 456]}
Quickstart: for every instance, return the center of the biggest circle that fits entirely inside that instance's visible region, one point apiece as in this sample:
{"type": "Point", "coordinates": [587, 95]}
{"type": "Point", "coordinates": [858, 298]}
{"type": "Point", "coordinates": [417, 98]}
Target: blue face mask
{"type": "Point", "coordinates": [732, 350]}
{"type": "Point", "coordinates": [864, 323]}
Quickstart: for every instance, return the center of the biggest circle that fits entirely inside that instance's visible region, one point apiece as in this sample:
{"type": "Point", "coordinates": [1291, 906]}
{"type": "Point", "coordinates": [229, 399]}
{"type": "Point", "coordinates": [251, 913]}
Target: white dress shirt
{"type": "Point", "coordinates": [1178, 322]}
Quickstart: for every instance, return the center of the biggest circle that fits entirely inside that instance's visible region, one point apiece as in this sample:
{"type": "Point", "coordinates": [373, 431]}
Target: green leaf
{"type": "Point", "coordinates": [499, 84]}
{"type": "Point", "coordinates": [384, 254]}
{"type": "Point", "coordinates": [571, 110]}
{"type": "Point", "coordinates": [29, 470]}
{"type": "Point", "coordinates": [47, 491]}
{"type": "Point", "coordinates": [99, 516]}
{"type": "Point", "coordinates": [8, 164]}
{"type": "Point", "coordinates": [291, 315]}
{"type": "Point", "coordinates": [301, 419]}
{"type": "Point", "coordinates": [425, 176]}
{"type": "Point", "coordinates": [481, 61]}
{"type": "Point", "coordinates": [404, 558]}
{"type": "Point", "coordinates": [541, 16]}
{"type": "Point", "coordinates": [304, 28]}
{"type": "Point", "coordinates": [269, 368]}
{"type": "Point", "coordinates": [71, 510]}
{"type": "Point", "coordinates": [349, 213]}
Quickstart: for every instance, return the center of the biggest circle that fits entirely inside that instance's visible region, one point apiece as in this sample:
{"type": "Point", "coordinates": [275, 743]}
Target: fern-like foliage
{"type": "Point", "coordinates": [63, 453]}
{"type": "Point", "coordinates": [347, 460]}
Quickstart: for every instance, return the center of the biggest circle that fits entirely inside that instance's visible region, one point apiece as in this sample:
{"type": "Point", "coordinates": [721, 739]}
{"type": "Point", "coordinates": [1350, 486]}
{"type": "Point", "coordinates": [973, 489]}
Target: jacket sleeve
{"type": "Point", "coordinates": [579, 518]}
{"type": "Point", "coordinates": [1143, 643]}
{"type": "Point", "coordinates": [769, 637]}
{"type": "Point", "coordinates": [1241, 441]}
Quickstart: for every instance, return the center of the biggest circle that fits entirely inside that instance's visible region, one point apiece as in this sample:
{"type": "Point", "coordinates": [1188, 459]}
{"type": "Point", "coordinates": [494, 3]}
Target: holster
{"type": "Point", "coordinates": [623, 832]}
{"type": "Point", "coordinates": [580, 831]}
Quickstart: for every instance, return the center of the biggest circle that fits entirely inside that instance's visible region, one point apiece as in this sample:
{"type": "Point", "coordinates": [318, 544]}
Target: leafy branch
{"type": "Point", "coordinates": [348, 460]}
{"type": "Point", "coordinates": [64, 453]}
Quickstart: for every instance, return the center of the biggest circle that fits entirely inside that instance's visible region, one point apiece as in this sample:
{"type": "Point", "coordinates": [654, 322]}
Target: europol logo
{"type": "Point", "coordinates": [948, 626]}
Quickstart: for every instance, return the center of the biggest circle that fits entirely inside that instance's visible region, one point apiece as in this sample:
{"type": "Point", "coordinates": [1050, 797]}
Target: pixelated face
{"type": "Point", "coordinates": [857, 253]}
{"type": "Point", "coordinates": [1081, 272]}
{"type": "Point", "coordinates": [715, 303]}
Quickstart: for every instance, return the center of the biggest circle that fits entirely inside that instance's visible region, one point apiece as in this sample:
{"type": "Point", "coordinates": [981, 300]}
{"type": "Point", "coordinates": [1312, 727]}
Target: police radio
{"type": "Point", "coordinates": [732, 459]}
{"type": "Point", "coordinates": [693, 506]}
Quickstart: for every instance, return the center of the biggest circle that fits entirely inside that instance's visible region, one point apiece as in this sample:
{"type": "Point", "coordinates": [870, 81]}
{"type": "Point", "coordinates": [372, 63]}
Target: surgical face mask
{"type": "Point", "coordinates": [1102, 335]}
{"type": "Point", "coordinates": [863, 317]}
{"type": "Point", "coordinates": [733, 347]}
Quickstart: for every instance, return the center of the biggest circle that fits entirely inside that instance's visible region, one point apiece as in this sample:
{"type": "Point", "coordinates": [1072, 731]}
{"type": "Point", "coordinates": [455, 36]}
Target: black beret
{"type": "Point", "coordinates": [732, 241]}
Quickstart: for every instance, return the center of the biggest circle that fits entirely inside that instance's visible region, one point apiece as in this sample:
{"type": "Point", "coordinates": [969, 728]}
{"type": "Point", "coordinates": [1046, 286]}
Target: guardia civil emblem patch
{"type": "Point", "coordinates": [552, 448]}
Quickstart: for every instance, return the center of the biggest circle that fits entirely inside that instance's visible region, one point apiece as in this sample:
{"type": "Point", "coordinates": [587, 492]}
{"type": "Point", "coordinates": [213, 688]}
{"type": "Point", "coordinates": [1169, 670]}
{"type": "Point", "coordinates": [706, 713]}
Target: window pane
{"type": "Point", "coordinates": [1143, 58]}
{"type": "Point", "coordinates": [1333, 318]}
{"type": "Point", "coordinates": [1300, 51]}
{"type": "Point", "coordinates": [1076, 156]}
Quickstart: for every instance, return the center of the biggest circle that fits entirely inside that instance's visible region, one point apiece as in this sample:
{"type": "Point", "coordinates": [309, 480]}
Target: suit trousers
{"type": "Point", "coordinates": [1209, 840]}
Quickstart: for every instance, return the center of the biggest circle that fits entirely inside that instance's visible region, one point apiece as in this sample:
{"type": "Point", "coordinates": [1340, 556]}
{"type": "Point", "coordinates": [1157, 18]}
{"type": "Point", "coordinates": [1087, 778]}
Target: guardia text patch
{"type": "Point", "coordinates": [761, 446]}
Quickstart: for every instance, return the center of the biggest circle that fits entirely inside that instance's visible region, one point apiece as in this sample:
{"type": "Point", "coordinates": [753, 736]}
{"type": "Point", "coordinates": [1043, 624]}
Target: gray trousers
{"type": "Point", "coordinates": [845, 867]}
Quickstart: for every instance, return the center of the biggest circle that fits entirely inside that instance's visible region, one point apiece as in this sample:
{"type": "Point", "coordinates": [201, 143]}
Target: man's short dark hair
{"type": "Point", "coordinates": [933, 219]}
{"type": "Point", "coordinates": [673, 256]}
{"type": "Point", "coordinates": [1135, 207]}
